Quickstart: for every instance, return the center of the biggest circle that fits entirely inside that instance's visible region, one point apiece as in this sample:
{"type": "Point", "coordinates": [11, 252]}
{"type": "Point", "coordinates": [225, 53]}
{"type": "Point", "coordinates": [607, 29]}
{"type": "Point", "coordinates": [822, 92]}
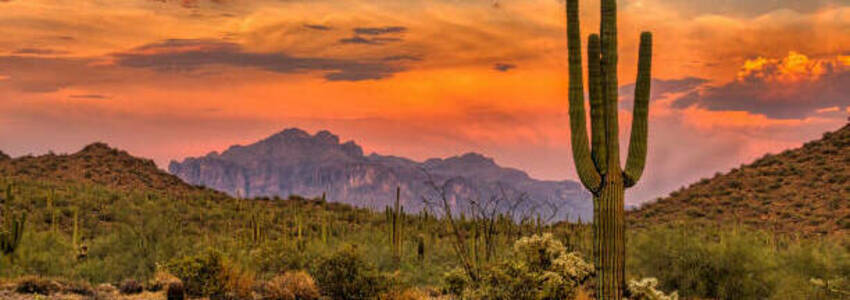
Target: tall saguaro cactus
{"type": "Point", "coordinates": [599, 167]}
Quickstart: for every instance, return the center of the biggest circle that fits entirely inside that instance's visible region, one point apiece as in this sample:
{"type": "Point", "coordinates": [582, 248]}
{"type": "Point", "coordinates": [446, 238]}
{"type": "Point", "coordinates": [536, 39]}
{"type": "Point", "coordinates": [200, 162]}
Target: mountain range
{"type": "Point", "coordinates": [294, 162]}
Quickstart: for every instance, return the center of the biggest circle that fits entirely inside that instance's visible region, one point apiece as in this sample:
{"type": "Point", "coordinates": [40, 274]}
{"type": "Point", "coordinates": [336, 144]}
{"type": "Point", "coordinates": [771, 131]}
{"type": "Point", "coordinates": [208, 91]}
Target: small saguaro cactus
{"type": "Point", "coordinates": [11, 232]}
{"type": "Point", "coordinates": [599, 167]}
{"type": "Point", "coordinates": [397, 218]}
{"type": "Point", "coordinates": [75, 237]}
{"type": "Point", "coordinates": [50, 199]}
{"type": "Point", "coordinates": [257, 233]}
{"type": "Point", "coordinates": [420, 248]}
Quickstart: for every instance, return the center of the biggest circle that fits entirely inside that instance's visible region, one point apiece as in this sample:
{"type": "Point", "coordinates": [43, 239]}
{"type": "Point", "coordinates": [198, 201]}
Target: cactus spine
{"type": "Point", "coordinates": [599, 167]}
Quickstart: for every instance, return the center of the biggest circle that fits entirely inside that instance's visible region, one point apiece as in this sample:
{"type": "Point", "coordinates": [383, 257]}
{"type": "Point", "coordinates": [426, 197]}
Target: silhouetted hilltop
{"type": "Point", "coordinates": [97, 163]}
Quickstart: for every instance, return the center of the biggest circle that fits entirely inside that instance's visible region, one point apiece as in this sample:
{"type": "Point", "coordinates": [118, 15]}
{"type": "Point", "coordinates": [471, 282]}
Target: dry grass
{"type": "Point", "coordinates": [291, 286]}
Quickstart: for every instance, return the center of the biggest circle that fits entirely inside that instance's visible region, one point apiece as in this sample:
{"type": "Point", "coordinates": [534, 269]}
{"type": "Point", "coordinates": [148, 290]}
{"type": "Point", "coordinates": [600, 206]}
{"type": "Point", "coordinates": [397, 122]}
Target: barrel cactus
{"type": "Point", "coordinates": [598, 164]}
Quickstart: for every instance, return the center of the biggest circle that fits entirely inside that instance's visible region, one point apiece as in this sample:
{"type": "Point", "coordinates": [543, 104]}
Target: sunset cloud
{"type": "Point", "coordinates": [171, 78]}
{"type": "Point", "coordinates": [795, 86]}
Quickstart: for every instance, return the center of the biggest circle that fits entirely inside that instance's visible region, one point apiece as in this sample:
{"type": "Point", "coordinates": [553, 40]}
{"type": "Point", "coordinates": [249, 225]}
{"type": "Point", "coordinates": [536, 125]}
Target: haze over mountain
{"type": "Point", "coordinates": [295, 162]}
{"type": "Point", "coordinates": [802, 191]}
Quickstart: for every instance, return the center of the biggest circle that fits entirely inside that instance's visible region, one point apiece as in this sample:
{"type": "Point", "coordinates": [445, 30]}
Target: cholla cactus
{"type": "Point", "coordinates": [646, 289]}
{"type": "Point", "coordinates": [539, 251]}
{"type": "Point", "coordinates": [573, 266]}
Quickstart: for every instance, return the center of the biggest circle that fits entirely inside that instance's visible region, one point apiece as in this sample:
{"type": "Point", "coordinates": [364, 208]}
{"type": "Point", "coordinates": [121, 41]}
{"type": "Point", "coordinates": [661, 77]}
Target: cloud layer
{"type": "Point", "coordinates": [167, 79]}
{"type": "Point", "coordinates": [792, 87]}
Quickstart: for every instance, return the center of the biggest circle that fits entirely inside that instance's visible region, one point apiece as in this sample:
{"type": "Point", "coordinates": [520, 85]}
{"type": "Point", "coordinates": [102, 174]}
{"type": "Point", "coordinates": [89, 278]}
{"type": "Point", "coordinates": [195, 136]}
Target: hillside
{"type": "Point", "coordinates": [295, 162]}
{"type": "Point", "coordinates": [804, 190]}
{"type": "Point", "coordinates": [133, 219]}
{"type": "Point", "coordinates": [98, 164]}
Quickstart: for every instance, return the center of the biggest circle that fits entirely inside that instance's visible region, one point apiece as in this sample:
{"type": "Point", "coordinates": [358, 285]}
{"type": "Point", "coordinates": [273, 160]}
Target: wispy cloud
{"type": "Point", "coordinates": [189, 55]}
{"type": "Point", "coordinates": [379, 30]}
{"type": "Point", "coordinates": [503, 67]}
{"type": "Point", "coordinates": [318, 27]}
{"type": "Point", "coordinates": [89, 96]}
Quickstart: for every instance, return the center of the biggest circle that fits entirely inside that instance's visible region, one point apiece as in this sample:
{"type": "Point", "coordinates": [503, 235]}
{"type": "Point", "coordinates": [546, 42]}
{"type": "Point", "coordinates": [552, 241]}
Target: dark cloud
{"type": "Point", "coordinates": [401, 57]}
{"type": "Point", "coordinates": [191, 55]}
{"type": "Point", "coordinates": [44, 74]}
{"type": "Point", "coordinates": [661, 88]}
{"type": "Point", "coordinates": [39, 51]}
{"type": "Point", "coordinates": [379, 30]}
{"type": "Point", "coordinates": [189, 3]}
{"type": "Point", "coordinates": [368, 41]}
{"type": "Point", "coordinates": [748, 8]}
{"type": "Point", "coordinates": [502, 67]}
{"type": "Point", "coordinates": [89, 96]}
{"type": "Point", "coordinates": [776, 93]}
{"type": "Point", "coordinates": [318, 27]}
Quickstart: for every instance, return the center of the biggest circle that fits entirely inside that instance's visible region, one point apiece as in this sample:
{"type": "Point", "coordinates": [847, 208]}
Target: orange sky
{"type": "Point", "coordinates": [170, 79]}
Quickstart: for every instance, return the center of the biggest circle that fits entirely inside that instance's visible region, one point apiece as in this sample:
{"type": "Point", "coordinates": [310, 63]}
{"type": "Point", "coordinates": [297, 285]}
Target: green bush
{"type": "Point", "coordinates": [41, 253]}
{"type": "Point", "coordinates": [345, 275]}
{"type": "Point", "coordinates": [202, 275]}
{"type": "Point", "coordinates": [720, 264]}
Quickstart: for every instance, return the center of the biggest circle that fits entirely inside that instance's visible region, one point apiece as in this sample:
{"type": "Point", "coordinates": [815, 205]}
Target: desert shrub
{"type": "Point", "coordinates": [105, 289]}
{"type": "Point", "coordinates": [406, 294]}
{"type": "Point", "coordinates": [455, 281]}
{"type": "Point", "coordinates": [239, 283]}
{"type": "Point", "coordinates": [346, 275]}
{"type": "Point", "coordinates": [79, 287]}
{"type": "Point", "coordinates": [835, 288]}
{"type": "Point", "coordinates": [646, 289]}
{"type": "Point", "coordinates": [37, 285]}
{"type": "Point", "coordinates": [41, 253]}
{"type": "Point", "coordinates": [540, 268]}
{"type": "Point", "coordinates": [175, 291]}
{"type": "Point", "coordinates": [161, 279]}
{"type": "Point", "coordinates": [276, 258]}
{"type": "Point", "coordinates": [202, 275]}
{"type": "Point", "coordinates": [291, 286]}
{"type": "Point", "coordinates": [713, 264]}
{"type": "Point", "coordinates": [130, 287]}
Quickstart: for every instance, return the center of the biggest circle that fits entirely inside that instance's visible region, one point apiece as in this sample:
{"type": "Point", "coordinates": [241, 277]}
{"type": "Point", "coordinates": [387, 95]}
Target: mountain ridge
{"type": "Point", "coordinates": [804, 190]}
{"type": "Point", "coordinates": [96, 163]}
{"type": "Point", "coordinates": [294, 162]}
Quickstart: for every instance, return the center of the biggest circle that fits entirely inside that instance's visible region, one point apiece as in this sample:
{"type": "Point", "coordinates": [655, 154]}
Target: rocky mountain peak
{"type": "Point", "coordinates": [295, 162]}
{"type": "Point", "coordinates": [475, 158]}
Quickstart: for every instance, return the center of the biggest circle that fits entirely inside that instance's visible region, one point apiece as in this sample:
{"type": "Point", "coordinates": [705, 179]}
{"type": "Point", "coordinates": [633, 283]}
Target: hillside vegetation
{"type": "Point", "coordinates": [801, 191]}
{"type": "Point", "coordinates": [131, 225]}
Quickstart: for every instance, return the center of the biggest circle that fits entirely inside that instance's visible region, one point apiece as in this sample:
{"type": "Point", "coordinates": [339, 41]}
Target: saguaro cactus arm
{"type": "Point", "coordinates": [597, 104]}
{"type": "Point", "coordinates": [636, 161]}
{"type": "Point", "coordinates": [585, 167]}
{"type": "Point", "coordinates": [610, 86]}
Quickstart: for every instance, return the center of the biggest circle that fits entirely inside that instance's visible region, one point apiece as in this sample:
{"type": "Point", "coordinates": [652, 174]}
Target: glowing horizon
{"type": "Point", "coordinates": [419, 79]}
